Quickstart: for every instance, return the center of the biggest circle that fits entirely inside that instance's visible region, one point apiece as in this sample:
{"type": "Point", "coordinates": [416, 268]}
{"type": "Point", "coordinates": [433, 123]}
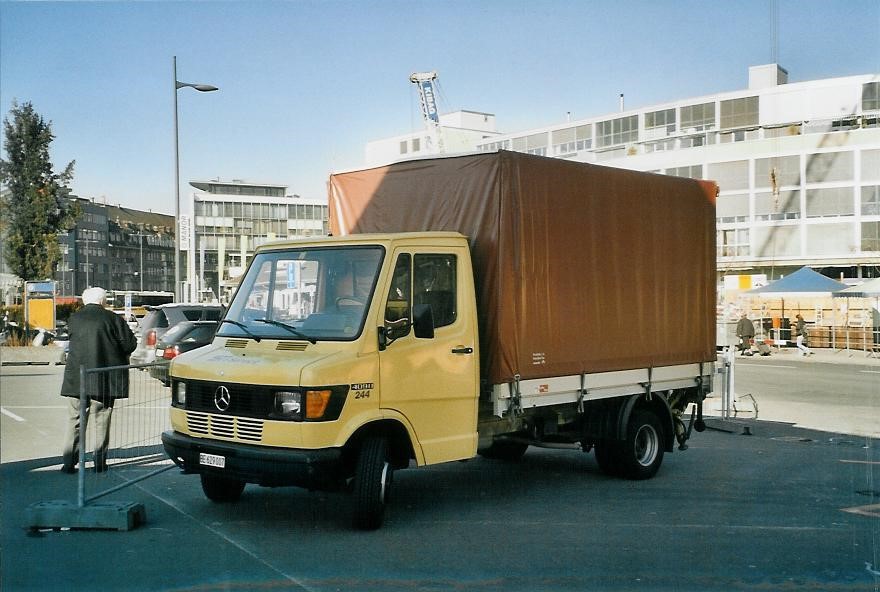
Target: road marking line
{"type": "Point", "coordinates": [860, 462]}
{"type": "Point", "coordinates": [760, 365]}
{"type": "Point", "coordinates": [870, 371]}
{"type": "Point", "coordinates": [11, 414]}
{"type": "Point", "coordinates": [872, 511]}
{"type": "Point", "coordinates": [174, 504]}
{"type": "Point", "coordinates": [35, 407]}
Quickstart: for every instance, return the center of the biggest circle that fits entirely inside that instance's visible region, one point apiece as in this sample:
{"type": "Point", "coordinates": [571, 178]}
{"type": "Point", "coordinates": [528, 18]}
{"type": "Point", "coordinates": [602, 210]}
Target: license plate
{"type": "Point", "coordinates": [212, 460]}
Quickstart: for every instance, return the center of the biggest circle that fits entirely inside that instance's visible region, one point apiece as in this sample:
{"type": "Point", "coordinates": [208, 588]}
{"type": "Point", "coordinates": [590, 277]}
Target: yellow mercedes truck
{"type": "Point", "coordinates": [465, 305]}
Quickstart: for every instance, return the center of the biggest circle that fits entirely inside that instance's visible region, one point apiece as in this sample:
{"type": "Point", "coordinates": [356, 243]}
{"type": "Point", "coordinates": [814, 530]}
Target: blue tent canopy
{"type": "Point", "coordinates": [804, 281]}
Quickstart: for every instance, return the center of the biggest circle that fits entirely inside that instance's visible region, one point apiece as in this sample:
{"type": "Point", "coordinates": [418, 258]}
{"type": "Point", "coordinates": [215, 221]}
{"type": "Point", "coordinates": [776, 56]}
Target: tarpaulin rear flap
{"type": "Point", "coordinates": [579, 267]}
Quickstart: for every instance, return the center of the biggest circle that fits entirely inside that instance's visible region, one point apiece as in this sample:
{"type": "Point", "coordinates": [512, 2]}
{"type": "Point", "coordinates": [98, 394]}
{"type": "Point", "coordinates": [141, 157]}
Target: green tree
{"type": "Point", "coordinates": [36, 205]}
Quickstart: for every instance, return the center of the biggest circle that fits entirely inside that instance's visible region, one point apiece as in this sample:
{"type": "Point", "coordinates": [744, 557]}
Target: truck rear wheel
{"type": "Point", "coordinates": [639, 456]}
{"type": "Point", "coordinates": [372, 484]}
{"type": "Point", "coordinates": [221, 489]}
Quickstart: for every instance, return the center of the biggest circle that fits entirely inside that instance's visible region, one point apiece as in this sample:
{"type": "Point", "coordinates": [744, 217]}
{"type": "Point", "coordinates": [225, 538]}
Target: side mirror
{"type": "Point", "coordinates": [392, 331]}
{"type": "Point", "coordinates": [383, 338]}
{"type": "Point", "coordinates": [423, 321]}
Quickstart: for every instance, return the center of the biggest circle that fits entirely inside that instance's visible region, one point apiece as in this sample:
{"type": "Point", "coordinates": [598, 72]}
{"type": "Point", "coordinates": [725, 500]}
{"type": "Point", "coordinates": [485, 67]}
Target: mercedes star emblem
{"type": "Point", "coordinates": [222, 398]}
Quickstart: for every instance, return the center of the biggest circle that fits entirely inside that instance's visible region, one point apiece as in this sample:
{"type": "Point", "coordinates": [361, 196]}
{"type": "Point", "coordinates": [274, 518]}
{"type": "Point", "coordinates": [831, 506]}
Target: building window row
{"type": "Point", "coordinates": [785, 241]}
{"type": "Point", "coordinates": [735, 113]}
{"type": "Point", "coordinates": [781, 172]}
{"type": "Point", "coordinates": [871, 236]}
{"type": "Point", "coordinates": [87, 234]}
{"type": "Point", "coordinates": [825, 202]}
{"type": "Point", "coordinates": [229, 210]}
{"type": "Point", "coordinates": [871, 96]}
{"type": "Point", "coordinates": [494, 146]}
{"type": "Point", "coordinates": [93, 218]}
{"type": "Point", "coordinates": [250, 190]}
{"type": "Point", "coordinates": [663, 120]}
{"type": "Point", "coordinates": [737, 121]}
{"type": "Point", "coordinates": [615, 132]}
{"type": "Point", "coordinates": [412, 145]}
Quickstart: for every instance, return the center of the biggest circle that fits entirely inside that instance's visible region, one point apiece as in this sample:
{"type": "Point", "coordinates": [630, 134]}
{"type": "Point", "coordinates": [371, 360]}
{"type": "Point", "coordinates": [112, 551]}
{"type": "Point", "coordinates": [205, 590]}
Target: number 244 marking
{"type": "Point", "coordinates": [362, 394]}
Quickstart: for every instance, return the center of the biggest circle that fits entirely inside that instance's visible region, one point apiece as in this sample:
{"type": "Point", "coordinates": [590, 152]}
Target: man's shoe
{"type": "Point", "coordinates": [68, 469]}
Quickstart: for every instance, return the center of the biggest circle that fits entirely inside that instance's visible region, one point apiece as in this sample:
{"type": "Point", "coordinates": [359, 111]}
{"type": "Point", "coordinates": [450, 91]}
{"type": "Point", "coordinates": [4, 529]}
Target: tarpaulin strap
{"type": "Point", "coordinates": [582, 392]}
{"type": "Point", "coordinates": [647, 385]}
{"type": "Point", "coordinates": [515, 396]}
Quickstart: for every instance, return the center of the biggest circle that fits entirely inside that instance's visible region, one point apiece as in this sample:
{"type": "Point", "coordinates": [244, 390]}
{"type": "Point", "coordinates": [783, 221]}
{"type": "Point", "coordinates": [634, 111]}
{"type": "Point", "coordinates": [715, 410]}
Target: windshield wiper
{"type": "Point", "coordinates": [293, 330]}
{"type": "Point", "coordinates": [241, 326]}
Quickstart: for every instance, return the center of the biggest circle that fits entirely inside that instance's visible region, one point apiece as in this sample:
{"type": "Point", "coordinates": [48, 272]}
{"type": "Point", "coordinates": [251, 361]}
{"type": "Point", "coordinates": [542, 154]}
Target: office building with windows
{"type": "Point", "coordinates": [230, 219]}
{"type": "Point", "coordinates": [797, 164]}
{"type": "Point", "coordinates": [459, 131]}
{"type": "Point", "coordinates": [116, 248]}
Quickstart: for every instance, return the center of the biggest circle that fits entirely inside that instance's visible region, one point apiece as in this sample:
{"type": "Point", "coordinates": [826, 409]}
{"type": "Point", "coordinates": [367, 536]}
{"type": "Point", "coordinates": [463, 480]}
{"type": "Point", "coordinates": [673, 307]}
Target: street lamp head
{"type": "Point", "coordinates": [198, 87]}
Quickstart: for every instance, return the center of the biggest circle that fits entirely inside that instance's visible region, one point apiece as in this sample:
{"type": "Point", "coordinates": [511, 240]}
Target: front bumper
{"type": "Point", "coordinates": [269, 466]}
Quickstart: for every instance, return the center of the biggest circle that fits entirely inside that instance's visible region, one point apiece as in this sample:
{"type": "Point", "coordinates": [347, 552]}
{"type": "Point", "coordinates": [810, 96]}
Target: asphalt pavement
{"type": "Point", "coordinates": [784, 509]}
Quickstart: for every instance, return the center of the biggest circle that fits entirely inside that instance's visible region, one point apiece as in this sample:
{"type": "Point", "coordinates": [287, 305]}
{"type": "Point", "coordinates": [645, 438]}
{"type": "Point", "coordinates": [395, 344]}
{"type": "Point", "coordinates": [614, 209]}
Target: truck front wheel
{"type": "Point", "coordinates": [221, 489]}
{"type": "Point", "coordinates": [372, 484]}
{"type": "Point", "coordinates": [641, 453]}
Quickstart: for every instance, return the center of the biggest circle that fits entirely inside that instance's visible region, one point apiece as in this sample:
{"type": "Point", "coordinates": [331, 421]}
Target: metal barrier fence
{"type": "Point", "coordinates": [136, 425]}
{"type": "Point", "coordinates": [836, 337]}
{"type": "Point", "coordinates": [134, 451]}
{"type": "Point", "coordinates": [725, 368]}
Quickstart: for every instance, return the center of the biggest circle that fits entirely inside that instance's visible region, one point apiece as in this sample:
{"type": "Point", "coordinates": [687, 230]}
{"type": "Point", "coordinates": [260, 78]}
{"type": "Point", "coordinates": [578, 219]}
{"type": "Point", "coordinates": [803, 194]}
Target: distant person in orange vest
{"type": "Point", "coordinates": [99, 338]}
{"type": "Point", "coordinates": [745, 330]}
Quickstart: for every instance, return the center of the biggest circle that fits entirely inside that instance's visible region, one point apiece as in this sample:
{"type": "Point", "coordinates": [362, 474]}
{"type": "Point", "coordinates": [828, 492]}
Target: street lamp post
{"type": "Point", "coordinates": [177, 86]}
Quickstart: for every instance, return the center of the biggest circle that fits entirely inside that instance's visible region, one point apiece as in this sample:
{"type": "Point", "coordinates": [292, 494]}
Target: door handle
{"type": "Point", "coordinates": [462, 350]}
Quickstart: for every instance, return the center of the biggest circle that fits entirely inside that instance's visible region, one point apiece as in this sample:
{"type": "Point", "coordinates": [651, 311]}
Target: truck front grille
{"type": "Point", "coordinates": [224, 427]}
{"type": "Point", "coordinates": [243, 399]}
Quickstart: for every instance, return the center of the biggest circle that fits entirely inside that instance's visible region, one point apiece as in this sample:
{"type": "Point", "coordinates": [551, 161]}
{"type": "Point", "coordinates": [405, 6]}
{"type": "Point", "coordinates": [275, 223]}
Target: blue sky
{"type": "Point", "coordinates": [305, 84]}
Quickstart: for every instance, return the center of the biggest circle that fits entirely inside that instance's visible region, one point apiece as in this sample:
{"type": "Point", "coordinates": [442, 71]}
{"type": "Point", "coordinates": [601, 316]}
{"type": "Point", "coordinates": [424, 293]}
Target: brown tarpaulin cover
{"type": "Point", "coordinates": [578, 267]}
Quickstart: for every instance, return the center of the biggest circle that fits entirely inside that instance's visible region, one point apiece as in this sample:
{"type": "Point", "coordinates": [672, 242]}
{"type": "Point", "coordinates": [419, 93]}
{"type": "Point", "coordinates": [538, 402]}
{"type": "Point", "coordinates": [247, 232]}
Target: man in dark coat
{"type": "Point", "coordinates": [745, 330]}
{"type": "Point", "coordinates": [99, 338]}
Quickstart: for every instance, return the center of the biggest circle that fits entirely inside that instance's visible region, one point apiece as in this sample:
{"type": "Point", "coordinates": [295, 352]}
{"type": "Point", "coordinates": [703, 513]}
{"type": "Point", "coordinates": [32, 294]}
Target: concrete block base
{"type": "Point", "coordinates": [98, 515]}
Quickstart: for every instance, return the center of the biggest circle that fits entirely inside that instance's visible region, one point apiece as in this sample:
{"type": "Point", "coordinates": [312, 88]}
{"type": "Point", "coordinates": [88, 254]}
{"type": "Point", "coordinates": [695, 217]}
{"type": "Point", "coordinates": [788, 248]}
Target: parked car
{"type": "Point", "coordinates": [160, 319]}
{"type": "Point", "coordinates": [182, 337]}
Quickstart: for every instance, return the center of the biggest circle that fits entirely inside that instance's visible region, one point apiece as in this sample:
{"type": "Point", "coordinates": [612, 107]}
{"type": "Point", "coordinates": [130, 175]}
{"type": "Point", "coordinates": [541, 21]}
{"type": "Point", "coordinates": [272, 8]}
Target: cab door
{"type": "Point", "coordinates": [433, 381]}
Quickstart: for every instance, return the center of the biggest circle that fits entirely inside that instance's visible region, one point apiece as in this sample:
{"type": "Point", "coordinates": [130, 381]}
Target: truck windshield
{"type": "Point", "coordinates": [305, 294]}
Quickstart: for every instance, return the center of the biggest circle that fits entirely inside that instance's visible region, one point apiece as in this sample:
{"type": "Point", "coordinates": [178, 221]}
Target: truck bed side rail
{"type": "Point", "coordinates": [513, 397]}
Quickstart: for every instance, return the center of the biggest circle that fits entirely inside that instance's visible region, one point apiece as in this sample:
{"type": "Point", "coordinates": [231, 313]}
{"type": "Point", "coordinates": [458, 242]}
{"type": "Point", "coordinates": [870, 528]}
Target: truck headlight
{"type": "Point", "coordinates": [180, 394]}
{"type": "Point", "coordinates": [302, 403]}
{"type": "Point", "coordinates": [288, 404]}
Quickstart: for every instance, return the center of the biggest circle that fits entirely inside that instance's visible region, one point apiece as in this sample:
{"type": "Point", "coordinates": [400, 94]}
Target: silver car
{"type": "Point", "coordinates": [158, 320]}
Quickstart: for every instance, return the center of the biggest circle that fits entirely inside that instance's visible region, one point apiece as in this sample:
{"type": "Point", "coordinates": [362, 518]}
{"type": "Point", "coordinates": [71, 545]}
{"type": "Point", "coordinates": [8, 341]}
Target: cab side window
{"type": "Point", "coordinates": [434, 283]}
{"type": "Point", "coordinates": [399, 304]}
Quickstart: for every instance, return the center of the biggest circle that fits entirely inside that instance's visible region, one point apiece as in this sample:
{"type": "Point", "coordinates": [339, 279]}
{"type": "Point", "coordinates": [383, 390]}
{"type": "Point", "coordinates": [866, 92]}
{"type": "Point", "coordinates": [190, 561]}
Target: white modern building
{"type": "Point", "coordinates": [459, 131]}
{"type": "Point", "coordinates": [797, 164]}
{"type": "Point", "coordinates": [230, 219]}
